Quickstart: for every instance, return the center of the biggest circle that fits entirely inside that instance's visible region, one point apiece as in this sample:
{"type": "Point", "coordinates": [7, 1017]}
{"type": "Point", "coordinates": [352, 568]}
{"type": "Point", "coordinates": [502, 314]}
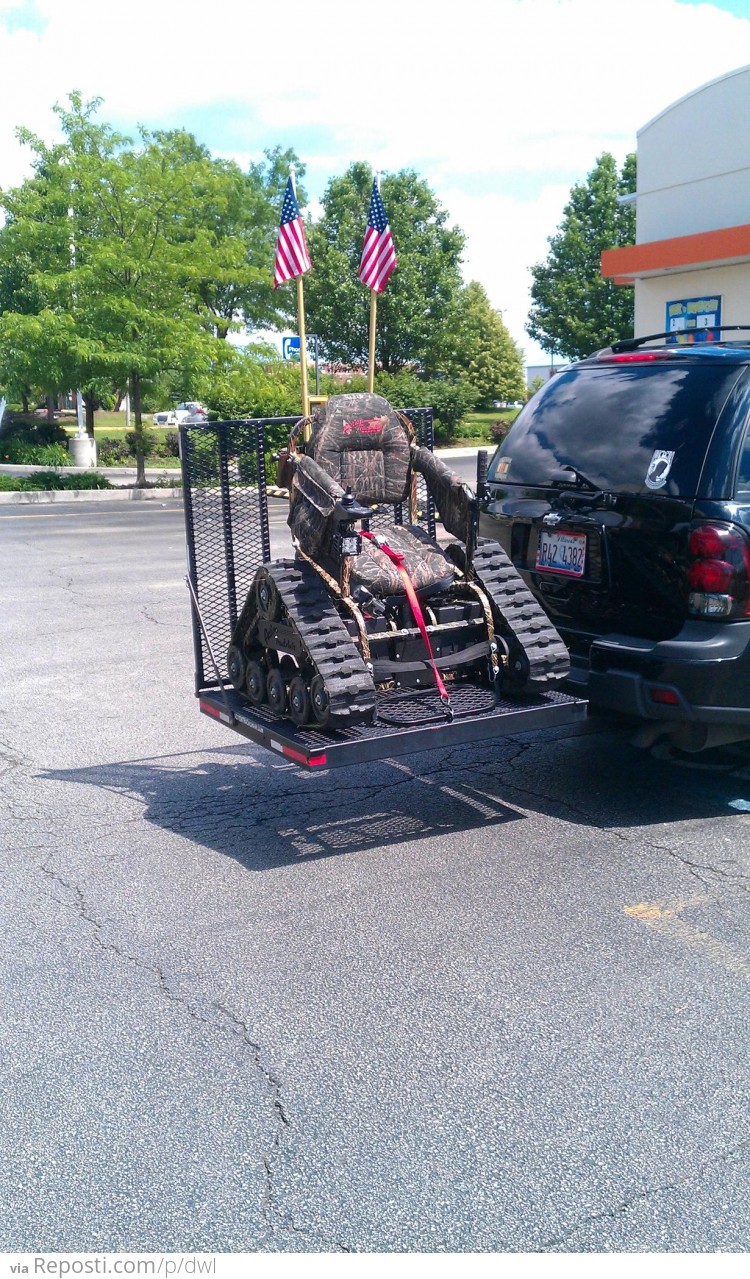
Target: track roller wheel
{"type": "Point", "coordinates": [518, 670]}
{"type": "Point", "coordinates": [321, 707]}
{"type": "Point", "coordinates": [236, 667]}
{"type": "Point", "coordinates": [299, 701]}
{"type": "Point", "coordinates": [255, 683]}
{"type": "Point", "coordinates": [276, 691]}
{"type": "Point", "coordinates": [267, 597]}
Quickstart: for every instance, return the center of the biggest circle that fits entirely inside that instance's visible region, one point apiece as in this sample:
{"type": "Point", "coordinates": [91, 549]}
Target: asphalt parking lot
{"type": "Point", "coordinates": [491, 999]}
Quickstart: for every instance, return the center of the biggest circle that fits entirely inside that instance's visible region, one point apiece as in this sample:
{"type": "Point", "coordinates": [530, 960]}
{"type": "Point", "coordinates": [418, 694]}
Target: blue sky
{"type": "Point", "coordinates": [740, 8]}
{"type": "Point", "coordinates": [501, 104]}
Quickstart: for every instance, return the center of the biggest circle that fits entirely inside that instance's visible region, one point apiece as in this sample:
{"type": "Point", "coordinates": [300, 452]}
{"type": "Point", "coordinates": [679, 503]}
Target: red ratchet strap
{"type": "Point", "coordinates": [397, 558]}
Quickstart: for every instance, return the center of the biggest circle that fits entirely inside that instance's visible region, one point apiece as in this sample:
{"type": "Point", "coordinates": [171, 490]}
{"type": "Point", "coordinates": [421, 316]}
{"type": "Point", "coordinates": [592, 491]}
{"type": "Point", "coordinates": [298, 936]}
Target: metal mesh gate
{"type": "Point", "coordinates": [227, 524]}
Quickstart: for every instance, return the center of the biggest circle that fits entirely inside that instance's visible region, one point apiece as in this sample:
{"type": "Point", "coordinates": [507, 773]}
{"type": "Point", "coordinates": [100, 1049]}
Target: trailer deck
{"type": "Point", "coordinates": [477, 717]}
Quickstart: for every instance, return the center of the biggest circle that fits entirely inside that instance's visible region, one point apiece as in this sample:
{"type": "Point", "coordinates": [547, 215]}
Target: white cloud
{"type": "Point", "coordinates": [505, 236]}
{"type": "Point", "coordinates": [511, 98]}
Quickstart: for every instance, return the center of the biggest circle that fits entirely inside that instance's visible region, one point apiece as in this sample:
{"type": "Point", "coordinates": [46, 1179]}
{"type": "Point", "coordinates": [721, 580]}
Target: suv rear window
{"type": "Point", "coordinates": [609, 420]}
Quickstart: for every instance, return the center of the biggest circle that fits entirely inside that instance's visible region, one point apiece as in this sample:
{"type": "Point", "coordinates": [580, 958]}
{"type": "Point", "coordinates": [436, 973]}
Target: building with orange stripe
{"type": "Point", "coordinates": [691, 261]}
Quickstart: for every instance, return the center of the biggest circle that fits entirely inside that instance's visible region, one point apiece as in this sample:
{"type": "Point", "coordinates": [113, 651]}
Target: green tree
{"type": "Point", "coordinates": [125, 263]}
{"type": "Point", "coordinates": [415, 310]}
{"type": "Point", "coordinates": [230, 223]}
{"type": "Point", "coordinates": [104, 224]}
{"type": "Point", "coordinates": [484, 352]}
{"type": "Point", "coordinates": [18, 295]}
{"type": "Point", "coordinates": [253, 382]}
{"type": "Point", "coordinates": [574, 310]}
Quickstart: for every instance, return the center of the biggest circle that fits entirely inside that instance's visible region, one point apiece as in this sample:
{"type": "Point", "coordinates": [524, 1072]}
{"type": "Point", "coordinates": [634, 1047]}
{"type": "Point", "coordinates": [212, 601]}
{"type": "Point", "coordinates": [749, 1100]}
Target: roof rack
{"type": "Point", "coordinates": [632, 344]}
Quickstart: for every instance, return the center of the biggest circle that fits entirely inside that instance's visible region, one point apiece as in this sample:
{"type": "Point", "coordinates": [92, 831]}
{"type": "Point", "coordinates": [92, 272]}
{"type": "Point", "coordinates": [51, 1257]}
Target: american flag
{"type": "Point", "coordinates": [378, 253]}
{"type": "Point", "coordinates": [292, 256]}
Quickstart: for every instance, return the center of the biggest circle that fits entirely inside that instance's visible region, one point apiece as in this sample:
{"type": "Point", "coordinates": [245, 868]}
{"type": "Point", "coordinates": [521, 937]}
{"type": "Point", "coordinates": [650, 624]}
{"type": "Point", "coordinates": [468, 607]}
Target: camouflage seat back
{"type": "Point", "coordinates": [360, 441]}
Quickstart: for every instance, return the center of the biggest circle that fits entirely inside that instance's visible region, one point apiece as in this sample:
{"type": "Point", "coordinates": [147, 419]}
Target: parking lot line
{"type": "Point", "coordinates": [666, 919]}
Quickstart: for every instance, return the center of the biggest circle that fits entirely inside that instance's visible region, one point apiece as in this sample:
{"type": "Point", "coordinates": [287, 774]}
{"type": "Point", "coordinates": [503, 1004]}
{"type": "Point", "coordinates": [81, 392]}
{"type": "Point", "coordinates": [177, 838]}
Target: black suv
{"type": "Point", "coordinates": [622, 494]}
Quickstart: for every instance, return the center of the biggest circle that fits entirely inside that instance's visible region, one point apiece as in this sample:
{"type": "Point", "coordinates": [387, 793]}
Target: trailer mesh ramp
{"type": "Point", "coordinates": [411, 707]}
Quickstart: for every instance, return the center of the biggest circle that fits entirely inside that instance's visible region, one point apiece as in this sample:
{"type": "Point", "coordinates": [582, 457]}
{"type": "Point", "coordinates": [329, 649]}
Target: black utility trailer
{"type": "Point", "coordinates": [224, 471]}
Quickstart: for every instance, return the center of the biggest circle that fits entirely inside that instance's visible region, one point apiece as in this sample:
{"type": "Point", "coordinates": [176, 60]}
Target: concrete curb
{"type": "Point", "coordinates": [42, 497]}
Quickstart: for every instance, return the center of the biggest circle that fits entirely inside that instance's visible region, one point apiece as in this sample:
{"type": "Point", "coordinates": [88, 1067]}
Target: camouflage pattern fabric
{"type": "Point", "coordinates": [425, 563]}
{"type": "Point", "coordinates": [314, 495]}
{"type": "Point", "coordinates": [447, 490]}
{"type": "Point", "coordinates": [359, 441]}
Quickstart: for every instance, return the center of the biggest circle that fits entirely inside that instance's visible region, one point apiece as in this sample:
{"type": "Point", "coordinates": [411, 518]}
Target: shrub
{"type": "Point", "coordinates": [450, 401]}
{"type": "Point", "coordinates": [89, 480]}
{"type": "Point", "coordinates": [149, 440]}
{"type": "Point", "coordinates": [404, 390]}
{"type": "Point", "coordinates": [499, 430]}
{"type": "Point", "coordinates": [112, 451]}
{"type": "Point", "coordinates": [35, 433]}
{"type": "Point", "coordinates": [169, 446]}
{"type": "Point", "coordinates": [47, 480]}
{"type": "Point", "coordinates": [20, 453]}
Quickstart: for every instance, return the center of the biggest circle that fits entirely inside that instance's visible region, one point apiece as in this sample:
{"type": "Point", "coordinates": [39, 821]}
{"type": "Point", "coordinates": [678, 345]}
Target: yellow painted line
{"type": "Point", "coordinates": [666, 919]}
{"type": "Point", "coordinates": [648, 912]}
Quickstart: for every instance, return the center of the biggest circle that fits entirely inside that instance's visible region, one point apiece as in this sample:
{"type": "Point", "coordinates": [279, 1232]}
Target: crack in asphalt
{"type": "Point", "coordinates": [148, 615]}
{"type": "Point", "coordinates": [12, 762]}
{"type": "Point", "coordinates": [254, 810]}
{"type": "Point", "coordinates": [643, 1196]}
{"type": "Point", "coordinates": [697, 869]}
{"type": "Point", "coordinates": [10, 758]}
{"type": "Point", "coordinates": [229, 1023]}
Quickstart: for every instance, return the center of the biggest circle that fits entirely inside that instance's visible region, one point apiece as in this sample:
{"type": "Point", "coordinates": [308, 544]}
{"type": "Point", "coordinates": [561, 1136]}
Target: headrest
{"type": "Point", "coordinates": [363, 423]}
{"type": "Point", "coordinates": [357, 421]}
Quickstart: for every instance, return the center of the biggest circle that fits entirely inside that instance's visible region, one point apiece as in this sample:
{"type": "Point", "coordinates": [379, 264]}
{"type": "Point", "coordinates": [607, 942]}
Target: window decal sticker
{"type": "Point", "coordinates": [659, 468]}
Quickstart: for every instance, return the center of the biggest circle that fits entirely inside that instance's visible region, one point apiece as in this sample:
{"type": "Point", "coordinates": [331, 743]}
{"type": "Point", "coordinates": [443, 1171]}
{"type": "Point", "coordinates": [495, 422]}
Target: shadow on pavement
{"type": "Point", "coordinates": [246, 805]}
{"type": "Point", "coordinates": [267, 815]}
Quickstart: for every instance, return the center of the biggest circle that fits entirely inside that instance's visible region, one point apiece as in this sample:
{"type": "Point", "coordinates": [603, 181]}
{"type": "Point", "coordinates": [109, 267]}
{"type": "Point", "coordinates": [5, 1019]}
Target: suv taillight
{"type": "Point", "coordinates": [719, 574]}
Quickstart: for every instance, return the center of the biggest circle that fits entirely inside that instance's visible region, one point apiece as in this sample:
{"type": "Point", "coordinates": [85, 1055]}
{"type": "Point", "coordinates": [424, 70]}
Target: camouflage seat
{"type": "Point", "coordinates": [359, 443]}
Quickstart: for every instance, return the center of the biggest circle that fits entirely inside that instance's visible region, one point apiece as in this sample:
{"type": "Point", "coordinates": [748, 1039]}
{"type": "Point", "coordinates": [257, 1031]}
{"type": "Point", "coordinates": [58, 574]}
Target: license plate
{"type": "Point", "coordinates": [561, 553]}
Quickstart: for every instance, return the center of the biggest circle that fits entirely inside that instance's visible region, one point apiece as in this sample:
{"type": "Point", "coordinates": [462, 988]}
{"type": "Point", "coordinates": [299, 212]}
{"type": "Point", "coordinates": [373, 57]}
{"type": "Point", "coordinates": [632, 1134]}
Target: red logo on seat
{"type": "Point", "coordinates": [365, 426]}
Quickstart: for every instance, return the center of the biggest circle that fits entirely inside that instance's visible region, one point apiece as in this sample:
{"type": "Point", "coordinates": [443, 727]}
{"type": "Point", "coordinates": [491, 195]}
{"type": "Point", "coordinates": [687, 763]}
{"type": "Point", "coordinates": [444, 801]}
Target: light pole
{"type": "Point", "coordinates": [81, 448]}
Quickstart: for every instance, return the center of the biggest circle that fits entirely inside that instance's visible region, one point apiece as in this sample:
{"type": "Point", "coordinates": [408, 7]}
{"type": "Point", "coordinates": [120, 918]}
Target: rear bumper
{"type": "Point", "coordinates": [705, 671]}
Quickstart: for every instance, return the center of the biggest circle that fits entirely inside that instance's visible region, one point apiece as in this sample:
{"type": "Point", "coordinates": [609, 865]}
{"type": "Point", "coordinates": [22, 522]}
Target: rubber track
{"type": "Point", "coordinates": [531, 629]}
{"type": "Point", "coordinates": [310, 610]}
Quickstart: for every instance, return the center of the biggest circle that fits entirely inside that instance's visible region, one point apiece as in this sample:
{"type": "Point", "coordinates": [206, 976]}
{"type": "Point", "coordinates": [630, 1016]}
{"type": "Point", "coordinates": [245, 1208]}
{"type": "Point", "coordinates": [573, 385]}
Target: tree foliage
{"type": "Point", "coordinates": [484, 353]}
{"type": "Point", "coordinates": [415, 310]}
{"type": "Point", "coordinates": [574, 310]}
{"type": "Point", "coordinates": [255, 382]}
{"type": "Point", "coordinates": [123, 262]}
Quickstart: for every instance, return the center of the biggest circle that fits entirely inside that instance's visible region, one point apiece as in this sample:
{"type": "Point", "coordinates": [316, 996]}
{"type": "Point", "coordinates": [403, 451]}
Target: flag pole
{"type": "Point", "coordinates": [301, 323]}
{"type": "Point", "coordinates": [373, 322]}
{"type": "Point", "coordinates": [302, 346]}
{"type": "Point", "coordinates": [371, 358]}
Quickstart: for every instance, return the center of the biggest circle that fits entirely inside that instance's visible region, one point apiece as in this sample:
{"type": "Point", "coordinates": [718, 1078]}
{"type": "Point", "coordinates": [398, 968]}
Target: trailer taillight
{"type": "Point", "coordinates": [719, 573]}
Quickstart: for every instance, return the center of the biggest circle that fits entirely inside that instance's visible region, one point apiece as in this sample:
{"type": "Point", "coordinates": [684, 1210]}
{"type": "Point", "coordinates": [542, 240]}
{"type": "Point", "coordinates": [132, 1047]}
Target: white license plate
{"type": "Point", "coordinates": [561, 553]}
